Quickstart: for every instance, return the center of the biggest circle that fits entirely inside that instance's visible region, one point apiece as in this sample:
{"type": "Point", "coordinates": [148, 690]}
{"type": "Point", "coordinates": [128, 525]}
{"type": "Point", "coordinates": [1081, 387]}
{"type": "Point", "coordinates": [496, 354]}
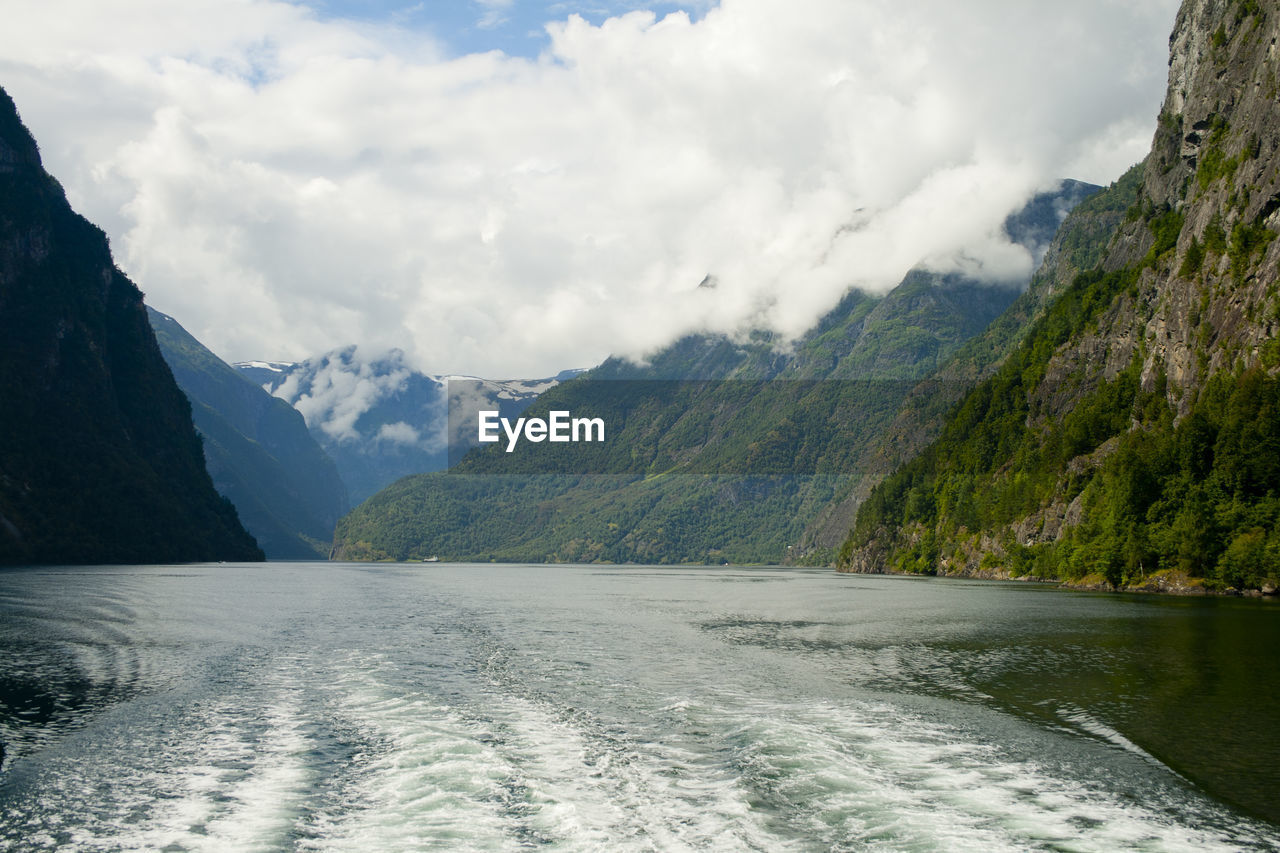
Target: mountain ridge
{"type": "Point", "coordinates": [1073, 246]}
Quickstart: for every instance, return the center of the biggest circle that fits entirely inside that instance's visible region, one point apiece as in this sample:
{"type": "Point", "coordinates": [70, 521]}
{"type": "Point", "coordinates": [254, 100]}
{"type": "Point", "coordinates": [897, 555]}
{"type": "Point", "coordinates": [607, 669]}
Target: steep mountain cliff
{"type": "Point", "coordinates": [717, 451]}
{"type": "Point", "coordinates": [99, 461]}
{"type": "Point", "coordinates": [1133, 437]}
{"type": "Point", "coordinates": [257, 450]}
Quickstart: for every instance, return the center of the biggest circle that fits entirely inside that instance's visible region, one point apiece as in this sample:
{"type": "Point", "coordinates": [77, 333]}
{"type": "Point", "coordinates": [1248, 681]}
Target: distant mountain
{"type": "Point", "coordinates": [1131, 437]}
{"type": "Point", "coordinates": [720, 450]}
{"type": "Point", "coordinates": [380, 419]}
{"type": "Point", "coordinates": [257, 450]}
{"type": "Point", "coordinates": [99, 461]}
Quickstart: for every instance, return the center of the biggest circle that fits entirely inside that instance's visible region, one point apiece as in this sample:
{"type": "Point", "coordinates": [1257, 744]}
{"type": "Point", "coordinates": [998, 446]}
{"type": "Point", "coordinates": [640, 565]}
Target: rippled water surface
{"type": "Point", "coordinates": [407, 707]}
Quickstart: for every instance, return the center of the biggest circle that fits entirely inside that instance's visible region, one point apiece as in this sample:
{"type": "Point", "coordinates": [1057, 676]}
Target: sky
{"type": "Point", "coordinates": [509, 188]}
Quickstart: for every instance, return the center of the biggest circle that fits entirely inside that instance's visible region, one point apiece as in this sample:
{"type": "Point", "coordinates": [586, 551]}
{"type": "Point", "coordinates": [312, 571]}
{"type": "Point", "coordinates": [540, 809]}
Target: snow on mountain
{"type": "Point", "coordinates": [381, 419]}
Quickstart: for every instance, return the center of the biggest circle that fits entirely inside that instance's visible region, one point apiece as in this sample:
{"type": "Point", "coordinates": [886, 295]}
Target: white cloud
{"type": "Point", "coordinates": [284, 185]}
{"type": "Point", "coordinates": [399, 433]}
{"type": "Point", "coordinates": [334, 390]}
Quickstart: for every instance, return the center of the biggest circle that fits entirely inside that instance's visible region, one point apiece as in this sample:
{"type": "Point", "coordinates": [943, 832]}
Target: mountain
{"type": "Point", "coordinates": [1076, 245]}
{"type": "Point", "coordinates": [1132, 437]}
{"type": "Point", "coordinates": [719, 450]}
{"type": "Point", "coordinates": [380, 419]}
{"type": "Point", "coordinates": [257, 450]}
{"type": "Point", "coordinates": [99, 461]}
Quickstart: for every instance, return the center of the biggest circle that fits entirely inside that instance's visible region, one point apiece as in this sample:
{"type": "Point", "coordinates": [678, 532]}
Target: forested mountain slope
{"type": "Point", "coordinates": [1133, 437]}
{"type": "Point", "coordinates": [1078, 244]}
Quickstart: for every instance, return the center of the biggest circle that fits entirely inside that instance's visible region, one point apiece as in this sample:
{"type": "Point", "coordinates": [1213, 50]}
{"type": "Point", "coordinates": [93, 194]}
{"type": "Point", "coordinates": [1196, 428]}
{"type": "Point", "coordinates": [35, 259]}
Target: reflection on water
{"type": "Point", "coordinates": [296, 706]}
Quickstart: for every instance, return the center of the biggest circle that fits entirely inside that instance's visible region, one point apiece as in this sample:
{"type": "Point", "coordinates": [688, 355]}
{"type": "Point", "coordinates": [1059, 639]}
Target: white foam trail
{"type": "Point", "coordinates": [881, 777]}
{"type": "Point", "coordinates": [597, 789]}
{"type": "Point", "coordinates": [517, 771]}
{"type": "Point", "coordinates": [434, 782]}
{"type": "Point", "coordinates": [243, 790]}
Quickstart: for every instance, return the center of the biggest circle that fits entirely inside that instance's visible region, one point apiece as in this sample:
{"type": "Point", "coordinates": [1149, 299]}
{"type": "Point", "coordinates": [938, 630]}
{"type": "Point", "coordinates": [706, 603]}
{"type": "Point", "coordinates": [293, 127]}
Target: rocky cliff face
{"type": "Point", "coordinates": [1213, 173]}
{"type": "Point", "coordinates": [99, 461]}
{"type": "Point", "coordinates": [1207, 303]}
{"type": "Point", "coordinates": [1134, 430]}
{"type": "Point", "coordinates": [1216, 162]}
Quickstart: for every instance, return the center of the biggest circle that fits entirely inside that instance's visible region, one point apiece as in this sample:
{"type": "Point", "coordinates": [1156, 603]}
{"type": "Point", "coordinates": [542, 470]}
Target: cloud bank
{"type": "Point", "coordinates": [285, 184]}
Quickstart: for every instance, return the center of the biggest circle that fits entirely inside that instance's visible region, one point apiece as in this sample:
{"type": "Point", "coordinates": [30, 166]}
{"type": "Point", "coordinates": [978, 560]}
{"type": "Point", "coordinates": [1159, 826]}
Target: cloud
{"type": "Point", "coordinates": [333, 391]}
{"type": "Point", "coordinates": [286, 185]}
{"type": "Point", "coordinates": [399, 433]}
{"type": "Point", "coordinates": [495, 13]}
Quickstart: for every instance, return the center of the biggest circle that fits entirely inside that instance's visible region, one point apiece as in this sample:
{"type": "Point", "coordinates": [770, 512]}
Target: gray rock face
{"type": "Point", "coordinates": [1214, 161]}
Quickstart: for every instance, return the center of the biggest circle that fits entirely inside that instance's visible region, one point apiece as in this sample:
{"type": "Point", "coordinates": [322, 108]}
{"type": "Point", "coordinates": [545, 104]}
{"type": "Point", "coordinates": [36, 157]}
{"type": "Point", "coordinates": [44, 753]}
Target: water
{"type": "Point", "coordinates": [411, 707]}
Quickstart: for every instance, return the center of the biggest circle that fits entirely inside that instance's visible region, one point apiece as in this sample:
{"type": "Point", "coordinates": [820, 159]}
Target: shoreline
{"type": "Point", "coordinates": [1165, 582]}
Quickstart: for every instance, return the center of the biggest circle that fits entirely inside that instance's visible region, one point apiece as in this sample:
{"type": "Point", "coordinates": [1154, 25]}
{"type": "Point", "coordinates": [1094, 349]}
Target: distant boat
{"type": "Point", "coordinates": [431, 559]}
